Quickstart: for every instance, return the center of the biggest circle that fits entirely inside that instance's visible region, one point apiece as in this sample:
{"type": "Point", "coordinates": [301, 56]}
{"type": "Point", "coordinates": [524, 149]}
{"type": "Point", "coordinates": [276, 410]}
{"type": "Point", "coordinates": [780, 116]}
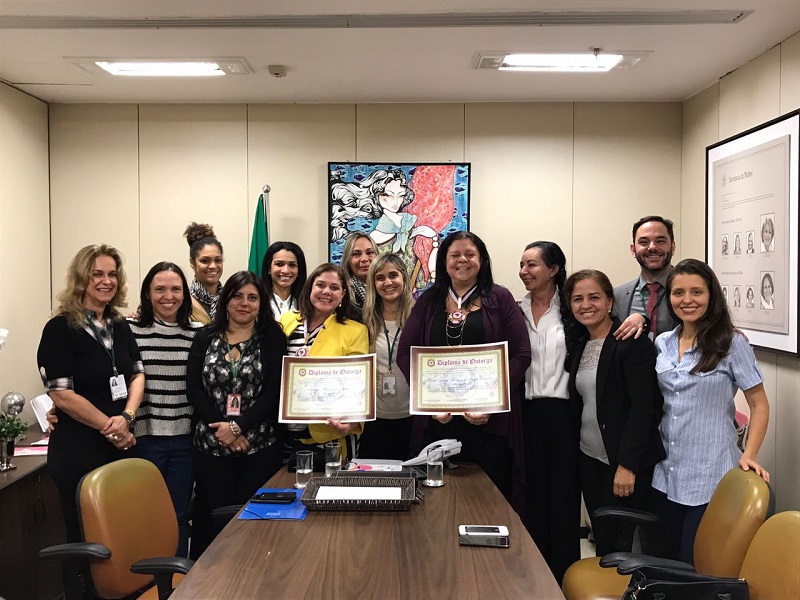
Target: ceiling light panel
{"type": "Point", "coordinates": [162, 67]}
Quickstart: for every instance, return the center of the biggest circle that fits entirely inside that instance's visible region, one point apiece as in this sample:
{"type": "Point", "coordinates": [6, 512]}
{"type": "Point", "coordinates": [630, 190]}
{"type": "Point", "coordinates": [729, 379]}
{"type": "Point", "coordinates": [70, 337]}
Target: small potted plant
{"type": "Point", "coordinates": [11, 427]}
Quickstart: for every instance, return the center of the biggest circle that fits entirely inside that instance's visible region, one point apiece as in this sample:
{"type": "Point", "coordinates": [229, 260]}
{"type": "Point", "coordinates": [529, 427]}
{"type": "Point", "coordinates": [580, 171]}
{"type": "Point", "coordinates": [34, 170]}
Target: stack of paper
{"type": "Point", "coordinates": [42, 404]}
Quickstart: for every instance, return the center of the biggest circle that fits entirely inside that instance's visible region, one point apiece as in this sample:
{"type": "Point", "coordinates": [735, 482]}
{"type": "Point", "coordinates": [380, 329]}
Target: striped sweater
{"type": "Point", "coordinates": [165, 351]}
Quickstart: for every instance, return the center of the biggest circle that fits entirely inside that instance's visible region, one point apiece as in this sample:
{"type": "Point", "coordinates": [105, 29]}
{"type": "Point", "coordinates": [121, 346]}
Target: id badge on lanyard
{"type": "Point", "coordinates": [233, 405]}
{"type": "Point", "coordinates": [389, 385]}
{"type": "Point", "coordinates": [233, 402]}
{"type": "Point", "coordinates": [388, 380]}
{"type": "Point", "coordinates": [119, 391]}
{"type": "Point", "coordinates": [116, 383]}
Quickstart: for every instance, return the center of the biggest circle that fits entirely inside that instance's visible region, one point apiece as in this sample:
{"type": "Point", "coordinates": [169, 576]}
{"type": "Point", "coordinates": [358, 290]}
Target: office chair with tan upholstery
{"type": "Point", "coordinates": [130, 531]}
{"type": "Point", "coordinates": [770, 571]}
{"type": "Point", "coordinates": [741, 502]}
{"type": "Point", "coordinates": [772, 564]}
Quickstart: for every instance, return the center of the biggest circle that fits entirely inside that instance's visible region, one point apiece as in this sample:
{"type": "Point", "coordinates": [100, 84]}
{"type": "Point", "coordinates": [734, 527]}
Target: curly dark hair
{"type": "Point", "coordinates": [200, 235]}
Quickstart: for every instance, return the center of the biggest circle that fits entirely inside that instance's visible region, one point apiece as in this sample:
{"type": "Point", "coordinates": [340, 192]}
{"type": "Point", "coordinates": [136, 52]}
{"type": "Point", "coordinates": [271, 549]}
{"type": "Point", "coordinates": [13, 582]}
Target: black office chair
{"type": "Point", "coordinates": [221, 516]}
{"type": "Point", "coordinates": [130, 532]}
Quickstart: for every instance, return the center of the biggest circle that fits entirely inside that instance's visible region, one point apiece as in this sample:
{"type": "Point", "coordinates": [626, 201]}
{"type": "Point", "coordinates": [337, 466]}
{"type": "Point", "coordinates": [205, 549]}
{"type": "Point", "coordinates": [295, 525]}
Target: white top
{"type": "Point", "coordinates": [546, 377]}
{"type": "Point", "coordinates": [281, 307]}
{"type": "Point", "coordinates": [390, 405]}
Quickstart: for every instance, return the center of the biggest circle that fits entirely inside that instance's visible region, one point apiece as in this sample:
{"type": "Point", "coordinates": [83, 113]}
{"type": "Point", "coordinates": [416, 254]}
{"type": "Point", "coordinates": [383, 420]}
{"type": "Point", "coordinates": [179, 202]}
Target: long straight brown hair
{"type": "Point", "coordinates": [373, 303]}
{"type": "Point", "coordinates": [715, 328]}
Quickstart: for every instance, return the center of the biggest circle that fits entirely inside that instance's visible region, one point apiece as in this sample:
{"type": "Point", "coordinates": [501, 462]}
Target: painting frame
{"type": "Point", "coordinates": [408, 208]}
{"type": "Point", "coordinates": [751, 193]}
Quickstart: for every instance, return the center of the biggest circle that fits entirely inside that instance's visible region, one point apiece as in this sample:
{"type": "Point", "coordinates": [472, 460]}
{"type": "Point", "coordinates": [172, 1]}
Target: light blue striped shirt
{"type": "Point", "coordinates": [697, 428]}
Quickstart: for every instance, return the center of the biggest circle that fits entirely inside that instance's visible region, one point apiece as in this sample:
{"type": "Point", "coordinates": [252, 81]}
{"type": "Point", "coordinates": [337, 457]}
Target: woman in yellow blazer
{"type": "Point", "coordinates": [320, 328]}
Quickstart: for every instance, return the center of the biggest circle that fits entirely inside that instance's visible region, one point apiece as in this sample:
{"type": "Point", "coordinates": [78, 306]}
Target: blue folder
{"type": "Point", "coordinates": [296, 511]}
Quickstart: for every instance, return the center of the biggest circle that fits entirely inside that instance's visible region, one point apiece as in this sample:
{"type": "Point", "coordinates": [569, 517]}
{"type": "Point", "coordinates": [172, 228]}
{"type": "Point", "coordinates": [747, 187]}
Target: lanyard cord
{"type": "Point", "coordinates": [307, 334]}
{"type": "Point", "coordinates": [391, 346]}
{"type": "Point", "coordinates": [110, 352]}
{"type": "Point", "coordinates": [279, 304]}
{"type": "Point", "coordinates": [459, 300]}
{"type": "Point", "coordinates": [235, 363]}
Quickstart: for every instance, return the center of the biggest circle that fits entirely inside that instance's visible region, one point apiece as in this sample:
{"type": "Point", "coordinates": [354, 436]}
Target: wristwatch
{"type": "Point", "coordinates": [235, 429]}
{"type": "Point", "coordinates": [129, 416]}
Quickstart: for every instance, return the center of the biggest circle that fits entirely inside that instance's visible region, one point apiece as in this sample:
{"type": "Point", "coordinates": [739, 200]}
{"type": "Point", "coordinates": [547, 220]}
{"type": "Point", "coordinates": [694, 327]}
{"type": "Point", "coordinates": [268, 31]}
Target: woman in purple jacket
{"type": "Point", "coordinates": [465, 307]}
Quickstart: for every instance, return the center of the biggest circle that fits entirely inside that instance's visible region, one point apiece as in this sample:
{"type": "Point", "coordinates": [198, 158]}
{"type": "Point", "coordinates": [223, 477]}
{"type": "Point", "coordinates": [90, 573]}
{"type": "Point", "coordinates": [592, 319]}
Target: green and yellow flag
{"type": "Point", "coordinates": [260, 240]}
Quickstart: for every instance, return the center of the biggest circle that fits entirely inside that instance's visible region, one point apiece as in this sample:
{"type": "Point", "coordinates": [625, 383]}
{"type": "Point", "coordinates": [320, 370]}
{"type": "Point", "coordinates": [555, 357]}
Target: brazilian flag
{"type": "Point", "coordinates": [260, 240]}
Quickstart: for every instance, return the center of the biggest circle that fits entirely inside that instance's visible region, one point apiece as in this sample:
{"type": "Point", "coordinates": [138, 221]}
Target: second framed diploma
{"type": "Point", "coordinates": [459, 379]}
{"type": "Point", "coordinates": [316, 389]}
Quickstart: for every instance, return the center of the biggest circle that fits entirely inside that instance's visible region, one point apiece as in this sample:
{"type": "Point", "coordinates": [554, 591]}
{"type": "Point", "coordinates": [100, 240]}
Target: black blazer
{"type": "Point", "coordinates": [629, 402]}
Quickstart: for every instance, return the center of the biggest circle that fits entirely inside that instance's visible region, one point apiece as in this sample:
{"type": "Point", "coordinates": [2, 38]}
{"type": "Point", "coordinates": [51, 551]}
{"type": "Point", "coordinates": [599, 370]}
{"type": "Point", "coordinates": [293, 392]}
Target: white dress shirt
{"type": "Point", "coordinates": [546, 377]}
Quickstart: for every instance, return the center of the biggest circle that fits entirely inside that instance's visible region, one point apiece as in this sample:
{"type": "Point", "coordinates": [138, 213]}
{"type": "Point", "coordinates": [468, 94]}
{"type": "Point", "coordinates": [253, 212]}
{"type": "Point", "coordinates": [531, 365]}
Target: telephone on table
{"type": "Point", "coordinates": [449, 448]}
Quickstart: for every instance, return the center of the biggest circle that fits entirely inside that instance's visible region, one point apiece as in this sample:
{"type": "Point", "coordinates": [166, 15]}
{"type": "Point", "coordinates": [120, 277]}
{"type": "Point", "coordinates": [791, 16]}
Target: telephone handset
{"type": "Point", "coordinates": [449, 448]}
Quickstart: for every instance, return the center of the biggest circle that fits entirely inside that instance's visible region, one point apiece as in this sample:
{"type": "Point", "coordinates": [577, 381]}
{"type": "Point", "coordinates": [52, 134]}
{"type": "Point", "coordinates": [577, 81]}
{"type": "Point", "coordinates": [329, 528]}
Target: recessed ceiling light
{"type": "Point", "coordinates": [207, 66]}
{"type": "Point", "coordinates": [586, 62]}
{"type": "Point", "coordinates": [564, 62]}
{"type": "Point", "coordinates": [161, 68]}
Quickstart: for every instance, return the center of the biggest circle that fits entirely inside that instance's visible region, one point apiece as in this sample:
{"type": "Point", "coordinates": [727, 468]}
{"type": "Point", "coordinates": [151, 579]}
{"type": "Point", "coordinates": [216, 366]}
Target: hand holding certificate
{"type": "Point", "coordinates": [459, 380]}
{"type": "Point", "coordinates": [318, 389]}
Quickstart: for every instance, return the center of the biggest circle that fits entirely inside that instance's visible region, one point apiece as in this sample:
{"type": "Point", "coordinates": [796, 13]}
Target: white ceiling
{"type": "Point", "coordinates": [342, 60]}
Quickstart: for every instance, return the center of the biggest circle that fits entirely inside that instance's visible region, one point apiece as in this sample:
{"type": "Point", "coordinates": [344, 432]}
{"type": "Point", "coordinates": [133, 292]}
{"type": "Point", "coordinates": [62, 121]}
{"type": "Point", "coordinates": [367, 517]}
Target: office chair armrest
{"type": "Point", "coordinates": [612, 559]}
{"type": "Point", "coordinates": [223, 514]}
{"type": "Point", "coordinates": [608, 519]}
{"type": "Point", "coordinates": [644, 564]}
{"type": "Point", "coordinates": [632, 515]}
{"type": "Point", "coordinates": [157, 566]}
{"type": "Point", "coordinates": [75, 550]}
{"type": "Point", "coordinates": [670, 574]}
{"type": "Point", "coordinates": [162, 569]}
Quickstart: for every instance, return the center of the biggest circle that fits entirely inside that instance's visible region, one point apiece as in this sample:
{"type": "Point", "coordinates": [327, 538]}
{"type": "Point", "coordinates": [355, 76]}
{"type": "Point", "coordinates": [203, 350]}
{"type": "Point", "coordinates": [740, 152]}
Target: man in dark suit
{"type": "Point", "coordinates": [653, 246]}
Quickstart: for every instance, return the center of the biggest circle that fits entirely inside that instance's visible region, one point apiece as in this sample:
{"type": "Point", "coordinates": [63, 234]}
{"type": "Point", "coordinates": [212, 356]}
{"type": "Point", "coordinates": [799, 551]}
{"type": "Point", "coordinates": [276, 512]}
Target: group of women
{"type": "Point", "coordinates": [622, 421]}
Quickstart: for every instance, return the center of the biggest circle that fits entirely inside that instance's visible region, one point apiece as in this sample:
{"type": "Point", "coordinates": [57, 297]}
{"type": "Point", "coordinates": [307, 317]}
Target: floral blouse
{"type": "Point", "coordinates": [218, 382]}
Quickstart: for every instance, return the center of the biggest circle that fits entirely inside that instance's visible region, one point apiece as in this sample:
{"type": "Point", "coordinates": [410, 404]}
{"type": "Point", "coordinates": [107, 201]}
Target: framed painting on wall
{"type": "Point", "coordinates": [406, 208]}
{"type": "Point", "coordinates": [753, 229]}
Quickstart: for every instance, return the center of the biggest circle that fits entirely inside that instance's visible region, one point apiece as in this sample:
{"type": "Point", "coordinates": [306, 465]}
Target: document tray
{"type": "Point", "coordinates": [406, 485]}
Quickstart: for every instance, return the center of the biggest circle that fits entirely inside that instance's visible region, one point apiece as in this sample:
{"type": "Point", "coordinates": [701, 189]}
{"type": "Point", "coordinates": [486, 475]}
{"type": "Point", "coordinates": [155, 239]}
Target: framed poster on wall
{"type": "Point", "coordinates": [406, 208]}
{"type": "Point", "coordinates": [752, 229]}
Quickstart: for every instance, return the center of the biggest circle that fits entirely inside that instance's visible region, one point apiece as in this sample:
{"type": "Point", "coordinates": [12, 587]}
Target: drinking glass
{"type": "Point", "coordinates": [333, 458]}
{"type": "Point", "coordinates": [305, 468]}
{"type": "Point", "coordinates": [435, 465]}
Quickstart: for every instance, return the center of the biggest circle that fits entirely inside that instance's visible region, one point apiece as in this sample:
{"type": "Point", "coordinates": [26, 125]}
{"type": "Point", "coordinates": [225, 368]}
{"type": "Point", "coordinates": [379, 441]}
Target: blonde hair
{"type": "Point", "coordinates": [70, 299]}
{"type": "Point", "coordinates": [373, 303]}
{"type": "Point", "coordinates": [347, 251]}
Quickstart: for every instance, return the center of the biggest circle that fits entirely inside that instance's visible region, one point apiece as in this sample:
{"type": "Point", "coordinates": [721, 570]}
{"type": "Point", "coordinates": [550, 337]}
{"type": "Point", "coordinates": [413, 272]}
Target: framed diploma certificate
{"type": "Point", "coordinates": [315, 389]}
{"type": "Point", "coordinates": [458, 380]}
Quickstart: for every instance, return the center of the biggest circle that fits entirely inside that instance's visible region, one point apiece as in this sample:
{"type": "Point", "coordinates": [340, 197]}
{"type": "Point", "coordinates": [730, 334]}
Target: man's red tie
{"type": "Point", "coordinates": [652, 301]}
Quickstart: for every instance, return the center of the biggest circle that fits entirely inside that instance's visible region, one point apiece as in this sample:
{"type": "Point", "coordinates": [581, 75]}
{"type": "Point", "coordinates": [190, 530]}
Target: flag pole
{"type": "Point", "coordinates": [265, 195]}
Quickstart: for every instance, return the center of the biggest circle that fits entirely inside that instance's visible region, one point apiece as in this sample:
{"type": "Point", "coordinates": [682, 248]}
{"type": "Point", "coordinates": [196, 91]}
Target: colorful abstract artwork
{"type": "Point", "coordinates": [405, 208]}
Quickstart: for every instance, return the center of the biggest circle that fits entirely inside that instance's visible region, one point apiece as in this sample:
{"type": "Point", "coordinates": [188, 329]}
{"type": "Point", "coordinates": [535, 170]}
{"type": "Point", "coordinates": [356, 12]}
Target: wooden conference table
{"type": "Point", "coordinates": [405, 554]}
